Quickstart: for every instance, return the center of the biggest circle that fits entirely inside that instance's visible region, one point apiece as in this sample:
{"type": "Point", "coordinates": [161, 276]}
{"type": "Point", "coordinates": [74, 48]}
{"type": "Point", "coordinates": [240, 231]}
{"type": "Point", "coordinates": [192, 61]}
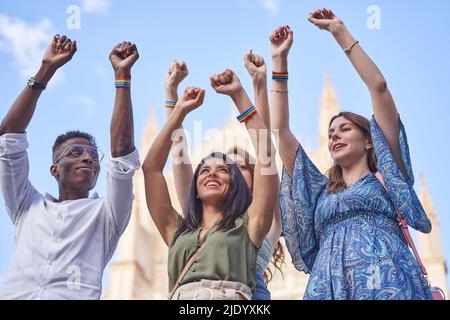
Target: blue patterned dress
{"type": "Point", "coordinates": [349, 241]}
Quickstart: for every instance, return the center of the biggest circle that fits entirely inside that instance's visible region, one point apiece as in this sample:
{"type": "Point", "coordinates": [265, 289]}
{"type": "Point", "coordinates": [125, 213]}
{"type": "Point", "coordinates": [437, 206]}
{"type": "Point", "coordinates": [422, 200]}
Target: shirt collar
{"type": "Point", "coordinates": [53, 199]}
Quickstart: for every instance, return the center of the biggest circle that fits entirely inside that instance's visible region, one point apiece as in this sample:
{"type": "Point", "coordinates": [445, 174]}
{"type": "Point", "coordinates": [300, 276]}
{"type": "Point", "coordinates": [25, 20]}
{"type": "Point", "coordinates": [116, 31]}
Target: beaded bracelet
{"type": "Point", "coordinates": [170, 104]}
{"type": "Point", "coordinates": [247, 114]}
{"type": "Point", "coordinates": [280, 75]}
{"type": "Point", "coordinates": [122, 83]}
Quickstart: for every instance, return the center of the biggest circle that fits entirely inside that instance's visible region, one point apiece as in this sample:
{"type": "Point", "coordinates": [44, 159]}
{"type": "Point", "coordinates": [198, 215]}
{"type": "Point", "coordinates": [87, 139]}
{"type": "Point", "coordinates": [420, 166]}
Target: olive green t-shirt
{"type": "Point", "coordinates": [226, 255]}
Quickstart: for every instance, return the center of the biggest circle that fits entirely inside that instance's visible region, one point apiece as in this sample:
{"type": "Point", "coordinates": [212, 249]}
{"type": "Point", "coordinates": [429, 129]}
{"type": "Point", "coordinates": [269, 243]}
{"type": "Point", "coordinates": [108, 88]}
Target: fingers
{"type": "Point", "coordinates": [55, 41]}
{"type": "Point", "coordinates": [73, 47]}
{"type": "Point", "coordinates": [60, 42]}
{"type": "Point", "coordinates": [223, 78]}
{"type": "Point", "coordinates": [180, 66]}
{"type": "Point", "coordinates": [183, 68]}
{"type": "Point", "coordinates": [200, 97]}
{"type": "Point", "coordinates": [280, 34]}
{"type": "Point", "coordinates": [215, 82]}
{"type": "Point", "coordinates": [194, 93]}
{"type": "Point", "coordinates": [248, 57]}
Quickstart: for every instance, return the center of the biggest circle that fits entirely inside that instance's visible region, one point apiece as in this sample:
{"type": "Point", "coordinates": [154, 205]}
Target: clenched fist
{"type": "Point", "coordinates": [60, 51]}
{"type": "Point", "coordinates": [122, 57]}
{"type": "Point", "coordinates": [255, 66]}
{"type": "Point", "coordinates": [226, 83]}
{"type": "Point", "coordinates": [178, 71]}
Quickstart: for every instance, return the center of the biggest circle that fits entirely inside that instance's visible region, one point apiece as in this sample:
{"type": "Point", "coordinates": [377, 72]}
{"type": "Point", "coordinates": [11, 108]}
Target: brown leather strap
{"type": "Point", "coordinates": [188, 265]}
{"type": "Point", "coordinates": [404, 226]}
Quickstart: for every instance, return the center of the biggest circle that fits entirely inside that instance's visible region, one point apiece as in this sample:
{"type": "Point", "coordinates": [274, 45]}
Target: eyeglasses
{"type": "Point", "coordinates": [77, 150]}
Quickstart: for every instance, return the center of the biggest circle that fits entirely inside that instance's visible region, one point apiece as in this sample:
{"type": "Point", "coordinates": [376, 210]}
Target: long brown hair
{"type": "Point", "coordinates": [278, 252]}
{"type": "Point", "coordinates": [336, 180]}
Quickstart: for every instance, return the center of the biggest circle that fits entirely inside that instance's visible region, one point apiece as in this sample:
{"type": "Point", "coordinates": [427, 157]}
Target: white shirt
{"type": "Point", "coordinates": [61, 249]}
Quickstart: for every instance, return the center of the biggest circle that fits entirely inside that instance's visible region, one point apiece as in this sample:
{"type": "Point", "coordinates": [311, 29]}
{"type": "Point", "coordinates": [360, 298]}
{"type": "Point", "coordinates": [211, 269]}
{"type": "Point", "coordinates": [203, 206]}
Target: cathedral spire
{"type": "Point", "coordinates": [430, 245]}
{"type": "Point", "coordinates": [329, 107]}
{"type": "Point", "coordinates": [150, 131]}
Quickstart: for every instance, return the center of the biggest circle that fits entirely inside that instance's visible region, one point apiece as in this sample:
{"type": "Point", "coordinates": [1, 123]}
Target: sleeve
{"type": "Point", "coordinates": [17, 190]}
{"type": "Point", "coordinates": [400, 189]}
{"type": "Point", "coordinates": [298, 198]}
{"type": "Point", "coordinates": [119, 192]}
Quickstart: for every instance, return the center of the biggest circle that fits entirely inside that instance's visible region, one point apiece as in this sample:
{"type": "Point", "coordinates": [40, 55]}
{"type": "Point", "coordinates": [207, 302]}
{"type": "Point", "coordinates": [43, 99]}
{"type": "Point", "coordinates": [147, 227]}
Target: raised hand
{"type": "Point", "coordinates": [60, 51]}
{"type": "Point", "coordinates": [178, 71]}
{"type": "Point", "coordinates": [122, 57]}
{"type": "Point", "coordinates": [325, 19]}
{"type": "Point", "coordinates": [281, 41]}
{"type": "Point", "coordinates": [192, 99]}
{"type": "Point", "coordinates": [226, 83]}
{"type": "Point", "coordinates": [255, 66]}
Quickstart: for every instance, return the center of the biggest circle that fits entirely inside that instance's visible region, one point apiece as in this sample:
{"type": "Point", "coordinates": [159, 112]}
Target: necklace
{"type": "Point", "coordinates": [357, 180]}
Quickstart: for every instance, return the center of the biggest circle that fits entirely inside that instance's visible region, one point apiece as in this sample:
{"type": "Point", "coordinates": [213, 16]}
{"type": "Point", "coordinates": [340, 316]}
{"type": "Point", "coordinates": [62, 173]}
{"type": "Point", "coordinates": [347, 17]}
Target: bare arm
{"type": "Point", "coordinates": [122, 57]}
{"type": "Point", "coordinates": [181, 164]}
{"type": "Point", "coordinates": [260, 212]}
{"type": "Point", "coordinates": [383, 104]}
{"type": "Point", "coordinates": [60, 51]}
{"type": "Point", "coordinates": [257, 69]}
{"type": "Point", "coordinates": [281, 42]}
{"type": "Point", "coordinates": [157, 194]}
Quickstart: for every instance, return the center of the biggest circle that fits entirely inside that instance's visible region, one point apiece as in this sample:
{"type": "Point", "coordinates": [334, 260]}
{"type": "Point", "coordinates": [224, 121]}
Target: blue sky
{"type": "Point", "coordinates": [411, 48]}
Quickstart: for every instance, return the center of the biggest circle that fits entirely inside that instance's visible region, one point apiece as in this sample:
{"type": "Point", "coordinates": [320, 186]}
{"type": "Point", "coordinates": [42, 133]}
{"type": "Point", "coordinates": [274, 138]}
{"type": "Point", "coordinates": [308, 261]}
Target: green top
{"type": "Point", "coordinates": [227, 255]}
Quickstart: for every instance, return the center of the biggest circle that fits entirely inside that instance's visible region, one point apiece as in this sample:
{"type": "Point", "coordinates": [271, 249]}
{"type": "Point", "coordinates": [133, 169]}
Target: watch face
{"type": "Point", "coordinates": [35, 85]}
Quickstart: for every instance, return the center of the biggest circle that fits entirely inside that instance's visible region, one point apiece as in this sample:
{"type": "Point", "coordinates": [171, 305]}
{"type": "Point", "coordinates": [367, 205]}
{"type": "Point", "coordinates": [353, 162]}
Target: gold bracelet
{"type": "Point", "coordinates": [280, 91]}
{"type": "Point", "coordinates": [349, 49]}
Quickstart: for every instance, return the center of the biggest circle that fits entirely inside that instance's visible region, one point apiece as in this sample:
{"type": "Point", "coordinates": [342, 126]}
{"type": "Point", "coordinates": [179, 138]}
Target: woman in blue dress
{"type": "Point", "coordinates": [342, 228]}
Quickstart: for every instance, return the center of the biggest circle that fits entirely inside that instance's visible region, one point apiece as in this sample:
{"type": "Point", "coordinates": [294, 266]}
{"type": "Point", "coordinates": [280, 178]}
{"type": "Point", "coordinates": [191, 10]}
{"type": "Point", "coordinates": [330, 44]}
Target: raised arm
{"type": "Point", "coordinates": [257, 69]}
{"type": "Point", "coordinates": [260, 212]}
{"type": "Point", "coordinates": [384, 109]}
{"type": "Point", "coordinates": [157, 194]}
{"type": "Point", "coordinates": [281, 42]}
{"type": "Point", "coordinates": [122, 57]}
{"type": "Point", "coordinates": [181, 164]}
{"type": "Point", "coordinates": [60, 51]}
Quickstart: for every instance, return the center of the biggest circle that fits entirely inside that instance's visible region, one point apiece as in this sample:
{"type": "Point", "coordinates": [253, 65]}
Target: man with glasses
{"type": "Point", "coordinates": [63, 244]}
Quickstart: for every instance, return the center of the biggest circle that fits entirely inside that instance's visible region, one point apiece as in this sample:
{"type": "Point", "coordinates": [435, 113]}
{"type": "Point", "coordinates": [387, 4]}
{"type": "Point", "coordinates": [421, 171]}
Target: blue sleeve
{"type": "Point", "coordinates": [298, 198]}
{"type": "Point", "coordinates": [400, 188]}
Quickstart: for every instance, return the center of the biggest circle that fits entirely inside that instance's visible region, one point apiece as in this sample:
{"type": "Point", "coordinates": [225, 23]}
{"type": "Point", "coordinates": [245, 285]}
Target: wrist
{"type": "Point", "coordinates": [259, 78]}
{"type": "Point", "coordinates": [45, 73]}
{"type": "Point", "coordinates": [337, 28]}
{"type": "Point", "coordinates": [241, 100]}
{"type": "Point", "coordinates": [122, 74]}
{"type": "Point", "coordinates": [171, 93]}
{"type": "Point", "coordinates": [280, 64]}
{"type": "Point", "coordinates": [179, 114]}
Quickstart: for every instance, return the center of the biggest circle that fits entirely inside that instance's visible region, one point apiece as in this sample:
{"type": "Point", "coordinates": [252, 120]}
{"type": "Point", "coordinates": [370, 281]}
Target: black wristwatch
{"type": "Point", "coordinates": [35, 85]}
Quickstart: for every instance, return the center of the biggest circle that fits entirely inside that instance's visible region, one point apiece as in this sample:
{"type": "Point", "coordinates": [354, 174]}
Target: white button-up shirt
{"type": "Point", "coordinates": [61, 248]}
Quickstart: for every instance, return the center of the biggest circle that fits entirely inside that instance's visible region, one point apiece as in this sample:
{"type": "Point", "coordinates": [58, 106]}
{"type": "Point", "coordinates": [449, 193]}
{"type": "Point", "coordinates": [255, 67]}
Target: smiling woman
{"type": "Point", "coordinates": [213, 245]}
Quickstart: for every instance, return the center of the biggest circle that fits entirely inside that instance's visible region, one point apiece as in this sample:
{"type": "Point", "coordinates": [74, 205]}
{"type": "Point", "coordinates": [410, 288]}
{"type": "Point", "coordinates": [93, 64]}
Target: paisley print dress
{"type": "Point", "coordinates": [349, 242]}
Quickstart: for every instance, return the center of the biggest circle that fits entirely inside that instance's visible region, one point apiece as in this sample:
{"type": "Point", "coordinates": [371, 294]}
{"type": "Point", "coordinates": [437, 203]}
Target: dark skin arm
{"type": "Point", "coordinates": [122, 57]}
{"type": "Point", "coordinates": [60, 51]}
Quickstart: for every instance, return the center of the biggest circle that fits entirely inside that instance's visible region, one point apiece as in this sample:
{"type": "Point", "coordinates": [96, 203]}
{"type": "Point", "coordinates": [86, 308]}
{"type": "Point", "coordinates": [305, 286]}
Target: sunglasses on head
{"type": "Point", "coordinates": [77, 150]}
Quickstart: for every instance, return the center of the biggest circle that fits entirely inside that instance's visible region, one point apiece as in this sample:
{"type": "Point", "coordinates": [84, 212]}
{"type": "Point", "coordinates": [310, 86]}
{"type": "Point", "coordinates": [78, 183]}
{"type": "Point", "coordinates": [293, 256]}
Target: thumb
{"type": "Point", "coordinates": [247, 58]}
{"type": "Point", "coordinates": [200, 97]}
